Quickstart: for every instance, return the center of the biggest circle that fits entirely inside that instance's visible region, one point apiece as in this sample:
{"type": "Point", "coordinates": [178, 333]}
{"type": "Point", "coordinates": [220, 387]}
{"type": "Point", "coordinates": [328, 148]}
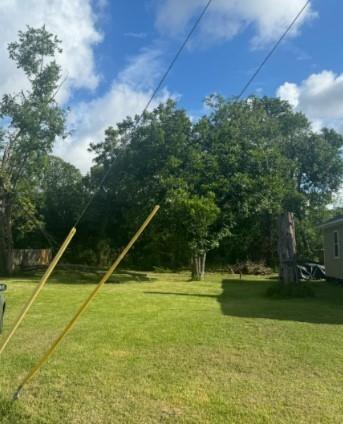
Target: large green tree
{"type": "Point", "coordinates": [156, 161]}
{"type": "Point", "coordinates": [274, 163]}
{"type": "Point", "coordinates": [193, 218]}
{"type": "Point", "coordinates": [31, 120]}
{"type": "Point", "coordinates": [62, 195]}
{"type": "Point", "coordinates": [233, 176]}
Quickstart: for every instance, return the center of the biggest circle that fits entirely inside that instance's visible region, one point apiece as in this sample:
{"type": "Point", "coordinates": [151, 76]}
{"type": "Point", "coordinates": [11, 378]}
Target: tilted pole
{"type": "Point", "coordinates": [40, 286]}
{"type": "Point", "coordinates": [70, 325]}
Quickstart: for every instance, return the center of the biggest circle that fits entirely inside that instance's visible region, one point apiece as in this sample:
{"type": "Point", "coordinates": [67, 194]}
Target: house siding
{"type": "Point", "coordinates": [333, 266]}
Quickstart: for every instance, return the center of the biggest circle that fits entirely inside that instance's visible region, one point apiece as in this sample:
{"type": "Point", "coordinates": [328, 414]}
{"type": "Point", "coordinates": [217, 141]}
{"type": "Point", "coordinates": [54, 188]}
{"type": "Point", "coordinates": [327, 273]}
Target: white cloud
{"type": "Point", "coordinates": [226, 18]}
{"type": "Point", "coordinates": [136, 34]}
{"type": "Point", "coordinates": [91, 119]}
{"type": "Point", "coordinates": [320, 97]}
{"type": "Point", "coordinates": [75, 24]}
{"type": "Point", "coordinates": [290, 92]}
{"type": "Point", "coordinates": [143, 69]}
{"type": "Point", "coordinates": [128, 96]}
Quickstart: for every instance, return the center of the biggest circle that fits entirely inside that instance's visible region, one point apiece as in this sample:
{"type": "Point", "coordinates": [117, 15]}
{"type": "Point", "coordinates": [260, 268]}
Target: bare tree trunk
{"type": "Point", "coordinates": [198, 266]}
{"type": "Point", "coordinates": [6, 239]}
{"type": "Point", "coordinates": [287, 248]}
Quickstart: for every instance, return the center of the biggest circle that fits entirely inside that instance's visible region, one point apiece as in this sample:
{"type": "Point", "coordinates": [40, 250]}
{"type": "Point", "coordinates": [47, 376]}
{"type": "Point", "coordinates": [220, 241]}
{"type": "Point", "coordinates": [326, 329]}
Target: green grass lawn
{"type": "Point", "coordinates": [165, 350]}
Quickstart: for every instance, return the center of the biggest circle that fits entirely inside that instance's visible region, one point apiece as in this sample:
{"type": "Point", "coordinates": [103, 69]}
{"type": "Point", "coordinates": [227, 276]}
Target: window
{"type": "Point", "coordinates": [335, 244]}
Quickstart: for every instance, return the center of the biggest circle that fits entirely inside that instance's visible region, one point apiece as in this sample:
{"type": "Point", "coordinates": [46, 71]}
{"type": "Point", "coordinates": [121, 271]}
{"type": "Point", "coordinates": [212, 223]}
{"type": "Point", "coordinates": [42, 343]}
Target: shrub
{"type": "Point", "coordinates": [252, 268]}
{"type": "Point", "coordinates": [161, 270]}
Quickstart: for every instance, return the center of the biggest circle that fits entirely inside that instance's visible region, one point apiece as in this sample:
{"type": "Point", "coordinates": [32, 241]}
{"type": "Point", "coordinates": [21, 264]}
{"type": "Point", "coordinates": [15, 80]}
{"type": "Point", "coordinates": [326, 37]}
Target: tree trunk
{"type": "Point", "coordinates": [198, 266]}
{"type": "Point", "coordinates": [6, 239]}
{"type": "Point", "coordinates": [287, 248]}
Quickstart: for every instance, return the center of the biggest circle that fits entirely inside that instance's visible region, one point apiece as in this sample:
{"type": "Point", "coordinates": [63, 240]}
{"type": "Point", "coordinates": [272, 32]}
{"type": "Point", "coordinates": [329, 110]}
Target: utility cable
{"type": "Point", "coordinates": [86, 303]}
{"type": "Point", "coordinates": [72, 232]}
{"type": "Point", "coordinates": [166, 73]}
{"type": "Point", "coordinates": [270, 53]}
{"type": "Point", "coordinates": [153, 95]}
{"type": "Point", "coordinates": [51, 241]}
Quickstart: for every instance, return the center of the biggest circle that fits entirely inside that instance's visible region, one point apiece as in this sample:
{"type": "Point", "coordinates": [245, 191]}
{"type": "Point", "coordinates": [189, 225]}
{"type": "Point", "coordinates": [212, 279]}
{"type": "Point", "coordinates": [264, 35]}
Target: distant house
{"type": "Point", "coordinates": [333, 248]}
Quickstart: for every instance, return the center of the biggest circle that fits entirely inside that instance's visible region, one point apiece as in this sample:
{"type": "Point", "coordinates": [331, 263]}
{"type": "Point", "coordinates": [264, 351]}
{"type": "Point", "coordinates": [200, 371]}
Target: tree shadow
{"type": "Point", "coordinates": [180, 294]}
{"type": "Point", "coordinates": [85, 276]}
{"type": "Point", "coordinates": [247, 299]}
{"type": "Point", "coordinates": [11, 412]}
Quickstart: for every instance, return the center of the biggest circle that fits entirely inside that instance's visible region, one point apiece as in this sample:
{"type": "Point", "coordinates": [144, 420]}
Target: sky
{"type": "Point", "coordinates": [115, 51]}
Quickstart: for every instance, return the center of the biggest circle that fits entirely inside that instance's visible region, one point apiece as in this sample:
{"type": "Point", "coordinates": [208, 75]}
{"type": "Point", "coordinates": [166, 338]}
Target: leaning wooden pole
{"type": "Point", "coordinates": [38, 289]}
{"type": "Point", "coordinates": [70, 325]}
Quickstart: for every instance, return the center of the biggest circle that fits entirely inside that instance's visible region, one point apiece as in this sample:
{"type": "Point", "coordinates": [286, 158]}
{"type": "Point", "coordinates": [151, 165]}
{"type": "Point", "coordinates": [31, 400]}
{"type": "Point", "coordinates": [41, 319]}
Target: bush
{"type": "Point", "coordinates": [252, 268]}
{"type": "Point", "coordinates": [281, 291]}
{"type": "Point", "coordinates": [161, 270]}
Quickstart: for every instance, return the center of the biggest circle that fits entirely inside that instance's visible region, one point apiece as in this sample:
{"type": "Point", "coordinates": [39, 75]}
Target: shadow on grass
{"type": "Point", "coordinates": [181, 294]}
{"type": "Point", "coordinates": [11, 412]}
{"type": "Point", "coordinates": [247, 299]}
{"type": "Point", "coordinates": [89, 276]}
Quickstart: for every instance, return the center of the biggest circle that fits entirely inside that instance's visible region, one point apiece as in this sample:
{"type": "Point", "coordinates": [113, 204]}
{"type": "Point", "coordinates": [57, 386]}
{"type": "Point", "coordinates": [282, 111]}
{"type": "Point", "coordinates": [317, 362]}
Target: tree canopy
{"type": "Point", "coordinates": [243, 163]}
{"type": "Point", "coordinates": [31, 121]}
{"type": "Point", "coordinates": [224, 181]}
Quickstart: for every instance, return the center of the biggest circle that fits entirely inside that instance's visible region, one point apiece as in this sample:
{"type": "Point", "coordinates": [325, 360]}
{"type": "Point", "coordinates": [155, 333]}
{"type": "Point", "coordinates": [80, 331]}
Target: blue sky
{"type": "Point", "coordinates": [115, 51]}
{"type": "Point", "coordinates": [224, 65]}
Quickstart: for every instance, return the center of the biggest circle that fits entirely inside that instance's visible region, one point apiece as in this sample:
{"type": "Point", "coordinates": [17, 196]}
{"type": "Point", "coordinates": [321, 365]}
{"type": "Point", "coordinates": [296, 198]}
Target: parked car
{"type": "Point", "coordinates": [3, 288]}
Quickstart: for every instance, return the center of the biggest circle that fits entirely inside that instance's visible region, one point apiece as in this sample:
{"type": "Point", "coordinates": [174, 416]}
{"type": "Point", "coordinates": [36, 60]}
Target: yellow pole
{"type": "Point", "coordinates": [41, 284]}
{"type": "Point", "coordinates": [70, 325]}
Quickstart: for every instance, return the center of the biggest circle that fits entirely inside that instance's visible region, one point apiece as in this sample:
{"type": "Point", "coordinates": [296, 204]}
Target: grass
{"type": "Point", "coordinates": [159, 349]}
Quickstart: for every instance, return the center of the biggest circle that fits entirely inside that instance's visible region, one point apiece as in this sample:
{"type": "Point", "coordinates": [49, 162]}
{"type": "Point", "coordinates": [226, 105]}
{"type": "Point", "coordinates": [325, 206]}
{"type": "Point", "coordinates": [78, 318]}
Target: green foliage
{"type": "Point", "coordinates": [221, 181]}
{"type": "Point", "coordinates": [154, 163]}
{"type": "Point", "coordinates": [31, 121]}
{"type": "Point", "coordinates": [27, 223]}
{"type": "Point", "coordinates": [34, 45]}
{"type": "Point", "coordinates": [34, 118]}
{"type": "Point", "coordinates": [63, 195]}
{"type": "Point", "coordinates": [194, 217]}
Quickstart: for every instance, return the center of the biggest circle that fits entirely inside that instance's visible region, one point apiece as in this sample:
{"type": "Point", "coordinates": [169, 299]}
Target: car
{"type": "Point", "coordinates": [3, 288]}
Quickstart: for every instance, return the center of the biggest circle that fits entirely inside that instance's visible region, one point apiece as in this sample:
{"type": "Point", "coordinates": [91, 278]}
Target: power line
{"type": "Point", "coordinates": [276, 45]}
{"type": "Point", "coordinates": [172, 63]}
{"type": "Point", "coordinates": [153, 95]}
{"type": "Point", "coordinates": [183, 45]}
{"type": "Point", "coordinates": [51, 241]}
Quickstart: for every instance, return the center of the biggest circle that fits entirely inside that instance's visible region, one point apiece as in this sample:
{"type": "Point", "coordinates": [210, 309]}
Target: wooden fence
{"type": "Point", "coordinates": [31, 258]}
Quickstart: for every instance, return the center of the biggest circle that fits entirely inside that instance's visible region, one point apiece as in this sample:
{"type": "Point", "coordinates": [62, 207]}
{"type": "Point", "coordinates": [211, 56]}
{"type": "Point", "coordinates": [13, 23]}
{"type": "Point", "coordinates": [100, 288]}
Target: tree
{"type": "Point", "coordinates": [314, 173]}
{"type": "Point", "coordinates": [31, 120]}
{"type": "Point", "coordinates": [155, 161]}
{"type": "Point", "coordinates": [62, 196]}
{"type": "Point", "coordinates": [264, 158]}
{"type": "Point", "coordinates": [194, 217]}
{"type": "Point", "coordinates": [228, 178]}
{"type": "Point", "coordinates": [245, 170]}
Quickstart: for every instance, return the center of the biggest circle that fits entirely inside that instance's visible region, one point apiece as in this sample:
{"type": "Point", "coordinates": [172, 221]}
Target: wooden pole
{"type": "Point", "coordinates": [83, 307]}
{"type": "Point", "coordinates": [38, 289]}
